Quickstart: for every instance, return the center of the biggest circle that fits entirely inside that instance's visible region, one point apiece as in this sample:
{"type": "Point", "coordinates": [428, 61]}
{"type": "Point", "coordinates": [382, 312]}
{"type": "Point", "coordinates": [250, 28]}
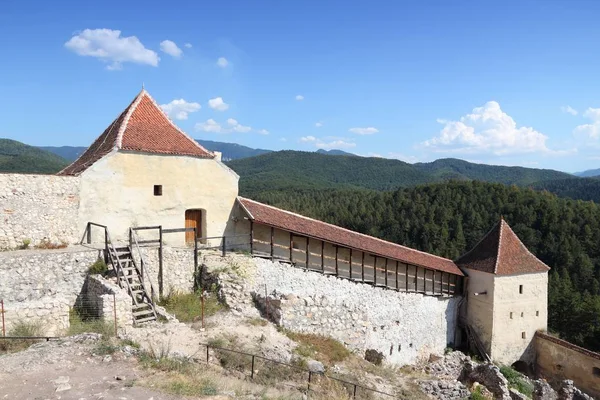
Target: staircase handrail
{"type": "Point", "coordinates": [134, 241]}
{"type": "Point", "coordinates": [112, 252]}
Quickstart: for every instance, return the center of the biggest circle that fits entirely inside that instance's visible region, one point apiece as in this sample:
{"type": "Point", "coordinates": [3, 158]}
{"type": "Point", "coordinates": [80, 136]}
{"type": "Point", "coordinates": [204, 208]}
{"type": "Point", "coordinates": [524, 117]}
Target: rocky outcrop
{"type": "Point", "coordinates": [568, 391]}
{"type": "Point", "coordinates": [489, 376]}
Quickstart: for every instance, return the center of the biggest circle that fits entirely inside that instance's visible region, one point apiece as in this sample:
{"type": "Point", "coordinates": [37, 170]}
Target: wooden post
{"type": "Point", "coordinates": [322, 256]}
{"type": "Point", "coordinates": [272, 236]}
{"type": "Point", "coordinates": [291, 248]}
{"type": "Point", "coordinates": [251, 237]}
{"type": "Point", "coordinates": [224, 246]}
{"type": "Point", "coordinates": [130, 239]}
{"type": "Point", "coordinates": [252, 372]}
{"type": "Point", "coordinates": [397, 287]}
{"type": "Point", "coordinates": [105, 245]}
{"type": "Point", "coordinates": [433, 283]}
{"type": "Point", "coordinates": [336, 260]}
{"type": "Point", "coordinates": [386, 272]}
{"type": "Point", "coordinates": [416, 279]}
{"type": "Point", "coordinates": [202, 306]}
{"type": "Point", "coordinates": [374, 270]}
{"type": "Point", "coordinates": [350, 274]}
{"type": "Point", "coordinates": [115, 314]}
{"type": "Point", "coordinates": [2, 313]}
{"type": "Point", "coordinates": [406, 276]}
{"type": "Point", "coordinates": [307, 252]}
{"type": "Point", "coordinates": [160, 262]}
{"type": "Point", "coordinates": [362, 267]}
{"type": "Point", "coordinates": [89, 233]}
{"type": "Point", "coordinates": [195, 251]}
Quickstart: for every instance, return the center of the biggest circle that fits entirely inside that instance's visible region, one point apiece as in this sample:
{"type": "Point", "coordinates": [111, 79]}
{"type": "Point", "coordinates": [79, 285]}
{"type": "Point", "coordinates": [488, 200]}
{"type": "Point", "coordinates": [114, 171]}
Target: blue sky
{"type": "Point", "coordinates": [512, 82]}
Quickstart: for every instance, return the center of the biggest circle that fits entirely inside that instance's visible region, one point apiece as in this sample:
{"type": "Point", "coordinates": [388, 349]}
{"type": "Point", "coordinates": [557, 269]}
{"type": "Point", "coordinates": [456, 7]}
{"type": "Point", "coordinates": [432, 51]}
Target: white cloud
{"type": "Point", "coordinates": [232, 126]}
{"type": "Point", "coordinates": [364, 131]}
{"type": "Point", "coordinates": [209, 126]}
{"type": "Point", "coordinates": [487, 130]}
{"type": "Point", "coordinates": [179, 109]}
{"type": "Point", "coordinates": [169, 47]}
{"type": "Point", "coordinates": [108, 45]}
{"type": "Point", "coordinates": [568, 110]}
{"type": "Point", "coordinates": [283, 139]}
{"type": "Point", "coordinates": [299, 97]}
{"type": "Point", "coordinates": [322, 144]}
{"type": "Point", "coordinates": [237, 127]}
{"type": "Point", "coordinates": [187, 45]}
{"type": "Point", "coordinates": [218, 104]}
{"type": "Point", "coordinates": [318, 124]}
{"type": "Point", "coordinates": [591, 130]}
{"type": "Point", "coordinates": [222, 62]}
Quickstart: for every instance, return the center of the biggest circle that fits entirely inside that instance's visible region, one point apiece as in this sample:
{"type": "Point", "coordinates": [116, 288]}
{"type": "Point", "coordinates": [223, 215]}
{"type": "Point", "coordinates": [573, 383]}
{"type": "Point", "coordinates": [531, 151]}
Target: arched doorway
{"type": "Point", "coordinates": [195, 219]}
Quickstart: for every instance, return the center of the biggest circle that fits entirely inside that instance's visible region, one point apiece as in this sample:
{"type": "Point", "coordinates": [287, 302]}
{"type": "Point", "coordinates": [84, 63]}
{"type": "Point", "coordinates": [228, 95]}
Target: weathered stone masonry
{"type": "Point", "coordinates": [38, 207]}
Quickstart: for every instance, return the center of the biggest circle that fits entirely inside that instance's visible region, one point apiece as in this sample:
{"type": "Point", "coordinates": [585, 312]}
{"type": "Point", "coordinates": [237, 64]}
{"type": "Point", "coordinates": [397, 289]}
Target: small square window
{"type": "Point", "coordinates": [511, 315]}
{"type": "Point", "coordinates": [596, 371]}
{"type": "Point", "coordinates": [523, 335]}
{"type": "Point", "coordinates": [522, 314]}
{"type": "Point", "coordinates": [158, 190]}
{"type": "Point", "coordinates": [537, 313]}
{"type": "Point", "coordinates": [520, 289]}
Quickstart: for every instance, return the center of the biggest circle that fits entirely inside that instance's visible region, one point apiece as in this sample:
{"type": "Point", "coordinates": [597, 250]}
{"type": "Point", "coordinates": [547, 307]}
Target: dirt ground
{"type": "Point", "coordinates": [68, 369]}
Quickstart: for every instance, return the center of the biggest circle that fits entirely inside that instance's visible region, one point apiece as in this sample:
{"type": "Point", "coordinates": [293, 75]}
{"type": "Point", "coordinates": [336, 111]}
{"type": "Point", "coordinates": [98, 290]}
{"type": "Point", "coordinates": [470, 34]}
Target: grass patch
{"type": "Point", "coordinates": [187, 307]}
{"type": "Point", "coordinates": [517, 381]}
{"type": "Point", "coordinates": [21, 329]}
{"type": "Point", "coordinates": [257, 322]}
{"type": "Point", "coordinates": [477, 394]}
{"type": "Point", "coordinates": [187, 386]}
{"type": "Point", "coordinates": [25, 244]}
{"type": "Point", "coordinates": [81, 323]}
{"type": "Point", "coordinates": [105, 347]}
{"type": "Point", "coordinates": [98, 268]}
{"type": "Point", "coordinates": [229, 359]}
{"type": "Point", "coordinates": [160, 359]}
{"type": "Point", "coordinates": [321, 348]}
{"type": "Point", "coordinates": [46, 244]}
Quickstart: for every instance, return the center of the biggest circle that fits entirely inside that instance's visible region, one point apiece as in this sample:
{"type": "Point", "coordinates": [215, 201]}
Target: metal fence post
{"type": "Point", "coordinates": [224, 246]}
{"type": "Point", "coordinates": [202, 305]}
{"type": "Point", "coordinates": [354, 394]}
{"type": "Point", "coordinates": [207, 353]}
{"type": "Point", "coordinates": [2, 312]}
{"type": "Point", "coordinates": [252, 373]}
{"type": "Point", "coordinates": [160, 262]}
{"type": "Point", "coordinates": [309, 379]}
{"type": "Point", "coordinates": [89, 233]}
{"type": "Point", "coordinates": [115, 314]}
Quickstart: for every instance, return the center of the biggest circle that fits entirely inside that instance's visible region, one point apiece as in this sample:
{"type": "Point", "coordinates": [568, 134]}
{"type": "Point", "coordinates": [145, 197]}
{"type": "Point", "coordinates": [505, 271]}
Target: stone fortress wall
{"type": "Point", "coordinates": [38, 208]}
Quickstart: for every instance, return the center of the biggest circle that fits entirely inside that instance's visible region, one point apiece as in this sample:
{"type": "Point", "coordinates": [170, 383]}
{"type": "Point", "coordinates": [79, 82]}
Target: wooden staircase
{"type": "Point", "coordinates": [130, 277]}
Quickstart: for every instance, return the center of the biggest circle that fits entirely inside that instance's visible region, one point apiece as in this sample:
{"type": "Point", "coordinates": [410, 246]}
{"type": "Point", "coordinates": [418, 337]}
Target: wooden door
{"type": "Point", "coordinates": [193, 219]}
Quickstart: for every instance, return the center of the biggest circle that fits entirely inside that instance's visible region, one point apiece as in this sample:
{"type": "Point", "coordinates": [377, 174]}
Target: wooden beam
{"type": "Point", "coordinates": [272, 236]}
{"type": "Point", "coordinates": [336, 261]}
{"type": "Point", "coordinates": [251, 237]}
{"type": "Point", "coordinates": [350, 263]}
{"type": "Point", "coordinates": [374, 270]}
{"type": "Point", "coordinates": [397, 287]}
{"type": "Point", "coordinates": [362, 267]}
{"type": "Point", "coordinates": [386, 272]}
{"type": "Point", "coordinates": [322, 256]}
{"type": "Point", "coordinates": [406, 276]}
{"type": "Point", "coordinates": [307, 252]}
{"type": "Point", "coordinates": [291, 247]}
{"type": "Point", "coordinates": [416, 279]}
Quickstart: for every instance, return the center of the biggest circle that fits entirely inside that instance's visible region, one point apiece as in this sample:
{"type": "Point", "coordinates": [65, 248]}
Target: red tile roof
{"type": "Point", "coordinates": [286, 220]}
{"type": "Point", "coordinates": [144, 127]}
{"type": "Point", "coordinates": [501, 252]}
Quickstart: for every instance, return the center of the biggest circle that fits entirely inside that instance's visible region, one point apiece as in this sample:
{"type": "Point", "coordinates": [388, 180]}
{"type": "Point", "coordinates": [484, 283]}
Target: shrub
{"type": "Point", "coordinates": [21, 329]}
{"type": "Point", "coordinates": [48, 245]}
{"type": "Point", "coordinates": [517, 381]}
{"type": "Point", "coordinates": [79, 322]}
{"type": "Point", "coordinates": [325, 349]}
{"type": "Point", "coordinates": [25, 245]}
{"type": "Point", "coordinates": [477, 394]}
{"type": "Point", "coordinates": [187, 307]}
{"type": "Point", "coordinates": [98, 268]}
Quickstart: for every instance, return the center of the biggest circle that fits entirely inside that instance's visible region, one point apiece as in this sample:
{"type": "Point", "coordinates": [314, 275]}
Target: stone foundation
{"type": "Point", "coordinates": [105, 300]}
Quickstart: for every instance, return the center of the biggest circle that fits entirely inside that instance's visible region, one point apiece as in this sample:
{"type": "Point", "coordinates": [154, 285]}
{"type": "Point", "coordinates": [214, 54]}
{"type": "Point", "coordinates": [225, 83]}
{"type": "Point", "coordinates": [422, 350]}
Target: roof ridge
{"type": "Point", "coordinates": [478, 243]}
{"type": "Point", "coordinates": [144, 92]}
{"type": "Point", "coordinates": [522, 245]}
{"type": "Point", "coordinates": [499, 245]}
{"type": "Point", "coordinates": [130, 111]}
{"type": "Point", "coordinates": [347, 230]}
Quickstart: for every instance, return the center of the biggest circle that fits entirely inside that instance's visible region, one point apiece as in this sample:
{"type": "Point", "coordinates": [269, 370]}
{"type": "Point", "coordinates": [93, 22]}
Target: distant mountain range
{"type": "Point", "coordinates": [588, 173]}
{"type": "Point", "coordinates": [18, 157]}
{"type": "Point", "coordinates": [285, 170]}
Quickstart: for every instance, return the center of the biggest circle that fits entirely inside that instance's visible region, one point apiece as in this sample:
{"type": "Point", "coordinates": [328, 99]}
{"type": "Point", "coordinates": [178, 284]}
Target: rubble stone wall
{"type": "Point", "coordinates": [38, 208]}
{"type": "Point", "coordinates": [105, 300]}
{"type": "Point", "coordinates": [41, 285]}
{"type": "Point", "coordinates": [558, 360]}
{"type": "Point", "coordinates": [178, 268]}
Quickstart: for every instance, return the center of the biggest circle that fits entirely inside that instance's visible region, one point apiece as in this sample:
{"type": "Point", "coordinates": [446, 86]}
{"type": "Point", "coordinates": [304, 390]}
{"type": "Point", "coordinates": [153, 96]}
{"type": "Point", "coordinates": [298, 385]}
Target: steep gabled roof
{"type": "Point", "coordinates": [304, 226]}
{"type": "Point", "coordinates": [144, 127]}
{"type": "Point", "coordinates": [501, 252]}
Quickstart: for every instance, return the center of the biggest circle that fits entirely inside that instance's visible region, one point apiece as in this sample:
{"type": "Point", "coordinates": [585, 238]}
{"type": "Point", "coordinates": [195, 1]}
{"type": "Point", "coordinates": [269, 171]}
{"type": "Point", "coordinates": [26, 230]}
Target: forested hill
{"type": "Point", "coordinates": [304, 170]}
{"type": "Point", "coordinates": [448, 219]}
{"type": "Point", "coordinates": [18, 157]}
